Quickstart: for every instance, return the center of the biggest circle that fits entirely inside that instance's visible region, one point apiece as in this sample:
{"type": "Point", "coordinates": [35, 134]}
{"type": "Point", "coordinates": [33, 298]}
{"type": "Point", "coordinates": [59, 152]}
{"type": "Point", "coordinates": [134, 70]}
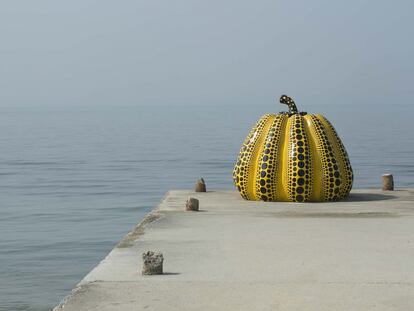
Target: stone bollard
{"type": "Point", "coordinates": [192, 204]}
{"type": "Point", "coordinates": [200, 185]}
{"type": "Point", "coordinates": [387, 182]}
{"type": "Point", "coordinates": [152, 263]}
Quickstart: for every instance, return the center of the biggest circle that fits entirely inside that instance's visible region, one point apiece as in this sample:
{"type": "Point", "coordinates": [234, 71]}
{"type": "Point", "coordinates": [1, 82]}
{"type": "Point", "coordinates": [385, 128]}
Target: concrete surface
{"type": "Point", "coordinates": [244, 255]}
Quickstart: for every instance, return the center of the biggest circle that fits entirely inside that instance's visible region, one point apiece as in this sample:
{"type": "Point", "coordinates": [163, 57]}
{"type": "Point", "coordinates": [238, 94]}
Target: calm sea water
{"type": "Point", "coordinates": [74, 180]}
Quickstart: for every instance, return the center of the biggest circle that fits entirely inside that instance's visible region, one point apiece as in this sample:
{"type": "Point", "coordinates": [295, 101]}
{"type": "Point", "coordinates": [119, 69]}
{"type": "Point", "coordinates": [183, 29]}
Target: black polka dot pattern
{"type": "Point", "coordinates": [268, 161]}
{"type": "Point", "coordinates": [348, 175]}
{"type": "Point", "coordinates": [299, 165]}
{"type": "Point", "coordinates": [331, 174]}
{"type": "Point", "coordinates": [243, 168]}
{"type": "Point", "coordinates": [294, 157]}
{"type": "Point", "coordinates": [286, 100]}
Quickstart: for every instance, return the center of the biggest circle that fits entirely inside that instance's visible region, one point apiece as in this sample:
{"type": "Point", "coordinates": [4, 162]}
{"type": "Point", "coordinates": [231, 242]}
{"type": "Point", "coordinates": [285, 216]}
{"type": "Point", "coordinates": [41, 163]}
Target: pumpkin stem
{"type": "Point", "coordinates": [286, 100]}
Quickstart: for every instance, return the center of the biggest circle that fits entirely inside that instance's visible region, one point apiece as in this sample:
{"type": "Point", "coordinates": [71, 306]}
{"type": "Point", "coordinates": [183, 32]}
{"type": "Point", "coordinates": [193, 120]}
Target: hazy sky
{"type": "Point", "coordinates": [202, 52]}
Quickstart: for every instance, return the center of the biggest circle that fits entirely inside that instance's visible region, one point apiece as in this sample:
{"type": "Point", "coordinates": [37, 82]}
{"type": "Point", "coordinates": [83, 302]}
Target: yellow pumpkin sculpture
{"type": "Point", "coordinates": [293, 156]}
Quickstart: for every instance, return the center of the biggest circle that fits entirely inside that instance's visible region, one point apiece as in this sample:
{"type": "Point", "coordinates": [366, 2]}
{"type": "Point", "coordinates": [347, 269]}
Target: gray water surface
{"type": "Point", "coordinates": [74, 180]}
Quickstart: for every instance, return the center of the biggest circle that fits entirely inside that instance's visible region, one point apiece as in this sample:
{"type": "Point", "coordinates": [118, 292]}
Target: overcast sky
{"type": "Point", "coordinates": [202, 52]}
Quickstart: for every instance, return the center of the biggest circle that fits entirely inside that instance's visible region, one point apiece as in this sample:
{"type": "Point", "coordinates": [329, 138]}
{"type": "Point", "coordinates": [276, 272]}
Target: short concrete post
{"type": "Point", "coordinates": [387, 182]}
{"type": "Point", "coordinates": [200, 185]}
{"type": "Point", "coordinates": [152, 263]}
{"type": "Point", "coordinates": [192, 204]}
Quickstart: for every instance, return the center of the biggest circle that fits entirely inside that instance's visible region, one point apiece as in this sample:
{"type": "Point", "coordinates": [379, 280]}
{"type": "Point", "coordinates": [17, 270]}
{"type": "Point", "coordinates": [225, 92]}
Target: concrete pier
{"type": "Point", "coordinates": [242, 255]}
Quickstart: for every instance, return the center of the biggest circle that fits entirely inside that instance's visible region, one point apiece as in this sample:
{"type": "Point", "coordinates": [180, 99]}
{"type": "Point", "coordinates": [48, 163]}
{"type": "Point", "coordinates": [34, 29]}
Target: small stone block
{"type": "Point", "coordinates": [200, 185]}
{"type": "Point", "coordinates": [192, 204]}
{"type": "Point", "coordinates": [387, 182]}
{"type": "Point", "coordinates": [152, 263]}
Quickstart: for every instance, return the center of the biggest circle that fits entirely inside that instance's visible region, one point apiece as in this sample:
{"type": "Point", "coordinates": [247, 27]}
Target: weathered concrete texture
{"type": "Point", "coordinates": [152, 263]}
{"type": "Point", "coordinates": [192, 205]}
{"type": "Point", "coordinates": [240, 255]}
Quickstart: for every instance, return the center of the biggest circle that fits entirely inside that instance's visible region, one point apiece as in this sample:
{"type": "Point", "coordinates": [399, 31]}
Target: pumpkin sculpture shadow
{"type": "Point", "coordinates": [365, 197]}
